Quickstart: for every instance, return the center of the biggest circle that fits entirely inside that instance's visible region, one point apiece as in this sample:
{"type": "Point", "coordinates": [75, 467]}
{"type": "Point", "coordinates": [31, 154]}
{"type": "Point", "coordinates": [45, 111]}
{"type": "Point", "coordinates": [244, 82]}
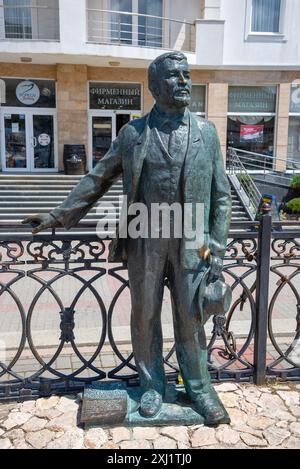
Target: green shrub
{"type": "Point", "coordinates": [295, 183]}
{"type": "Point", "coordinates": [294, 205]}
{"type": "Point", "coordinates": [244, 179]}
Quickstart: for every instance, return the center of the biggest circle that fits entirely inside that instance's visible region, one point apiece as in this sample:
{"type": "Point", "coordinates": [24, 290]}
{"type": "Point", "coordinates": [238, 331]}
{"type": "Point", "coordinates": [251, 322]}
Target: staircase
{"type": "Point", "coordinates": [239, 212]}
{"type": "Point", "coordinates": [23, 195]}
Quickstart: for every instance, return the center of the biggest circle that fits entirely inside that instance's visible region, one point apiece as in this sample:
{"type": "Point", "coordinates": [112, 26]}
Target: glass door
{"type": "Point", "coordinates": [14, 144]}
{"type": "Point", "coordinates": [102, 135]}
{"type": "Point", "coordinates": [28, 140]}
{"type": "Point", "coordinates": [43, 142]}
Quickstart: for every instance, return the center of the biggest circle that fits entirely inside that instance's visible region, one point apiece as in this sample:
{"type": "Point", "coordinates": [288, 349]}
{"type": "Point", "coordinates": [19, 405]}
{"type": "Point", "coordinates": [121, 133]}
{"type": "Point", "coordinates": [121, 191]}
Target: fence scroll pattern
{"type": "Point", "coordinates": [65, 313]}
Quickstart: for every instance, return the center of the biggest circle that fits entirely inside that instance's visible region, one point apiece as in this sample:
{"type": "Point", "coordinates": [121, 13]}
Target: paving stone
{"type": "Point", "coordinates": [34, 424]}
{"type": "Point", "coordinates": [295, 410]}
{"type": "Point", "coordinates": [259, 422]}
{"type": "Point", "coordinates": [120, 434]}
{"type": "Point", "coordinates": [21, 444]}
{"type": "Point", "coordinates": [3, 413]}
{"type": "Point", "coordinates": [237, 416]}
{"type": "Point", "coordinates": [292, 443]}
{"type": "Point", "coordinates": [28, 406]}
{"type": "Point", "coordinates": [251, 394]}
{"type": "Point", "coordinates": [141, 444]}
{"type": "Point", "coordinates": [163, 442]}
{"type": "Point", "coordinates": [243, 428]}
{"type": "Point", "coordinates": [145, 433]}
{"type": "Point", "coordinates": [16, 419]}
{"type": "Point", "coordinates": [291, 398]}
{"type": "Point", "coordinates": [47, 403]}
{"type": "Point", "coordinates": [63, 423]}
{"type": "Point", "coordinates": [110, 445]}
{"type": "Point", "coordinates": [275, 436]}
{"type": "Point", "coordinates": [248, 407]}
{"type": "Point", "coordinates": [41, 439]}
{"type": "Point", "coordinates": [95, 438]}
{"type": "Point", "coordinates": [204, 436]}
{"type": "Point", "coordinates": [229, 399]}
{"type": "Point", "coordinates": [252, 440]}
{"type": "Point", "coordinates": [16, 434]}
{"type": "Point", "coordinates": [180, 434]}
{"type": "Point", "coordinates": [67, 404]}
{"type": "Point", "coordinates": [282, 424]}
{"type": "Point", "coordinates": [182, 445]}
{"type": "Point", "coordinates": [227, 436]}
{"type": "Point", "coordinates": [72, 439]}
{"type": "Point", "coordinates": [295, 428]}
{"type": "Point", "coordinates": [48, 413]}
{"type": "Point", "coordinates": [5, 443]}
{"type": "Point", "coordinates": [226, 387]}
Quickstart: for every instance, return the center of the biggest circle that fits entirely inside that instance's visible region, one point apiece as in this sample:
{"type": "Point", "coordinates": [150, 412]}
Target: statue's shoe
{"type": "Point", "coordinates": [209, 405]}
{"type": "Point", "coordinates": [151, 403]}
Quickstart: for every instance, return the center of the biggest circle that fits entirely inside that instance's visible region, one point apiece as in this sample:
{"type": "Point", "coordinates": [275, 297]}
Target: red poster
{"type": "Point", "coordinates": [253, 133]}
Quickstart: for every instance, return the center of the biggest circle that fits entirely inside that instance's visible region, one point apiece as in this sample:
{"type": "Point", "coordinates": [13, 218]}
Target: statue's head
{"type": "Point", "coordinates": [169, 80]}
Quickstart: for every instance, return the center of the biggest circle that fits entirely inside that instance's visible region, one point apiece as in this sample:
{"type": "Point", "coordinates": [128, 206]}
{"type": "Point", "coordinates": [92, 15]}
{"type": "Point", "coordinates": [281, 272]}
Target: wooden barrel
{"type": "Point", "coordinates": [79, 151]}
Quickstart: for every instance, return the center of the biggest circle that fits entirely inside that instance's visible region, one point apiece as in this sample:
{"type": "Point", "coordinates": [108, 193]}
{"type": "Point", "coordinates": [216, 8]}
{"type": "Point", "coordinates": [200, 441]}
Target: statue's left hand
{"type": "Point", "coordinates": [216, 266]}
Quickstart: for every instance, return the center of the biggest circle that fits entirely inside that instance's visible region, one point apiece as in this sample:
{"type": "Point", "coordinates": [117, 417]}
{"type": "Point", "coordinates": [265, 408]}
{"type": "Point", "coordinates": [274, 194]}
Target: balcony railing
{"type": "Point", "coordinates": [135, 29]}
{"type": "Point", "coordinates": [29, 22]}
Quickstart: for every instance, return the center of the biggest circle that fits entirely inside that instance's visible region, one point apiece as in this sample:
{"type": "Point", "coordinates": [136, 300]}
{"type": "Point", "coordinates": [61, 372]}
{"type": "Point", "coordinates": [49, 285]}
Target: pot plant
{"type": "Point", "coordinates": [295, 183]}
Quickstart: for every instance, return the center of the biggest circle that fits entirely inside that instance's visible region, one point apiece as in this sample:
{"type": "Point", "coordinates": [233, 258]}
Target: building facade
{"type": "Point", "coordinates": [75, 71]}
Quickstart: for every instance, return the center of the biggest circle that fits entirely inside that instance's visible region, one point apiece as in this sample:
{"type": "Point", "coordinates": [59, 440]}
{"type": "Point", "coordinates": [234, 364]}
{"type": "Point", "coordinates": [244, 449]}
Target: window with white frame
{"type": "Point", "coordinates": [17, 19]}
{"type": "Point", "coordinates": [144, 29]}
{"type": "Point", "coordinates": [294, 124]}
{"type": "Point", "coordinates": [265, 17]}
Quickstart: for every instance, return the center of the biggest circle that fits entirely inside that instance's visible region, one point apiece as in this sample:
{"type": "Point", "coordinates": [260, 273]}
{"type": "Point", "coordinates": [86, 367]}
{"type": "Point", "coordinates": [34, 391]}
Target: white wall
{"type": "Point", "coordinates": [242, 49]}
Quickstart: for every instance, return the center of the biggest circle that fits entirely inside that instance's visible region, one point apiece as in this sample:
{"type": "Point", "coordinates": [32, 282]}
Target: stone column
{"type": "Point", "coordinates": [72, 106]}
{"type": "Point", "coordinates": [217, 111]}
{"type": "Point", "coordinates": [284, 93]}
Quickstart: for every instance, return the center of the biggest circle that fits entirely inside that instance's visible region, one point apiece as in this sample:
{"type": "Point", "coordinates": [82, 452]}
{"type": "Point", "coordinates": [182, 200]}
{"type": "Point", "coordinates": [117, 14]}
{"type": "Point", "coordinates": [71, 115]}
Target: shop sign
{"type": "Point", "coordinates": [115, 96]}
{"type": "Point", "coordinates": [28, 93]}
{"type": "Point", "coordinates": [252, 99]}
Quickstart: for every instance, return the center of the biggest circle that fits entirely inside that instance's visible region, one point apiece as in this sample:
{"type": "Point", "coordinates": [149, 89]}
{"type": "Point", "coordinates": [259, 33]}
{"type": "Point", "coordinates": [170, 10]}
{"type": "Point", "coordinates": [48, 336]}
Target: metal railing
{"type": "Point", "coordinates": [265, 166]}
{"type": "Point", "coordinates": [30, 22]}
{"type": "Point", "coordinates": [243, 182]}
{"type": "Point", "coordinates": [135, 29]}
{"type": "Point", "coordinates": [64, 308]}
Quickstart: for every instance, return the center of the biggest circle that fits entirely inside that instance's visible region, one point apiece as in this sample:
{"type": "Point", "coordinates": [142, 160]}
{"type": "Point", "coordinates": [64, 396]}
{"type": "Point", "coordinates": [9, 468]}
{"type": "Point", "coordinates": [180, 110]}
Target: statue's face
{"type": "Point", "coordinates": [174, 84]}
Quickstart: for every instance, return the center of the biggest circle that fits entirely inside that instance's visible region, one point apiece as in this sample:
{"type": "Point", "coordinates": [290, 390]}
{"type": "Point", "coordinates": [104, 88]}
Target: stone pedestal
{"type": "Point", "coordinates": [114, 404]}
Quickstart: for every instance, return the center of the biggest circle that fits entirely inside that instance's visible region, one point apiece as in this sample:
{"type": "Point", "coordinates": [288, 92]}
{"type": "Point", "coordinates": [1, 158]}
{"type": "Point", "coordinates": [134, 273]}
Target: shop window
{"type": "Point", "coordinates": [265, 16]}
{"type": "Point", "coordinates": [294, 127]}
{"type": "Point", "coordinates": [251, 122]}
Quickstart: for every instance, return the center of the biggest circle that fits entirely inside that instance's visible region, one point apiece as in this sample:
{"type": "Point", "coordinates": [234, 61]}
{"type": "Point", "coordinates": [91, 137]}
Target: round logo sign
{"type": "Point", "coordinates": [28, 93]}
{"type": "Point", "coordinates": [44, 140]}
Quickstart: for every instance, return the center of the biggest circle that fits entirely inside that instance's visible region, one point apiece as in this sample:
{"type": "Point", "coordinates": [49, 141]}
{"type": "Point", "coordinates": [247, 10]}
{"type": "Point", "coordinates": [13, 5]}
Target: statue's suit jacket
{"type": "Point", "coordinates": [204, 181]}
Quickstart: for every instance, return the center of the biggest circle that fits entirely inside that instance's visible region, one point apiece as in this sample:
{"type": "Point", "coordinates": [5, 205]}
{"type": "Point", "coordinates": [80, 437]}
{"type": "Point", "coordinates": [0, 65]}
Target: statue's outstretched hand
{"type": "Point", "coordinates": [41, 222]}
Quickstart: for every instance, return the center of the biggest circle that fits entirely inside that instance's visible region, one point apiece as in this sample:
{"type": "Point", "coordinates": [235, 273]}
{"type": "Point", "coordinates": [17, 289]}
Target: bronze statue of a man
{"type": "Point", "coordinates": [168, 156]}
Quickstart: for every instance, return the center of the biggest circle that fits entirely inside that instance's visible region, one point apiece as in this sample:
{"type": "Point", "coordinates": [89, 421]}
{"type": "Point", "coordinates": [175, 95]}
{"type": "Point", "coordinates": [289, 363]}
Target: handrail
{"type": "Point", "coordinates": [131, 13]}
{"type": "Point", "coordinates": [246, 187]}
{"type": "Point", "coordinates": [265, 156]}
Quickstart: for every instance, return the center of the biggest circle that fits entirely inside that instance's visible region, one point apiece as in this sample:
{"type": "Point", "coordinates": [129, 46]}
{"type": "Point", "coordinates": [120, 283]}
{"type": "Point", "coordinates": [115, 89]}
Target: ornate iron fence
{"type": "Point", "coordinates": [64, 311]}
